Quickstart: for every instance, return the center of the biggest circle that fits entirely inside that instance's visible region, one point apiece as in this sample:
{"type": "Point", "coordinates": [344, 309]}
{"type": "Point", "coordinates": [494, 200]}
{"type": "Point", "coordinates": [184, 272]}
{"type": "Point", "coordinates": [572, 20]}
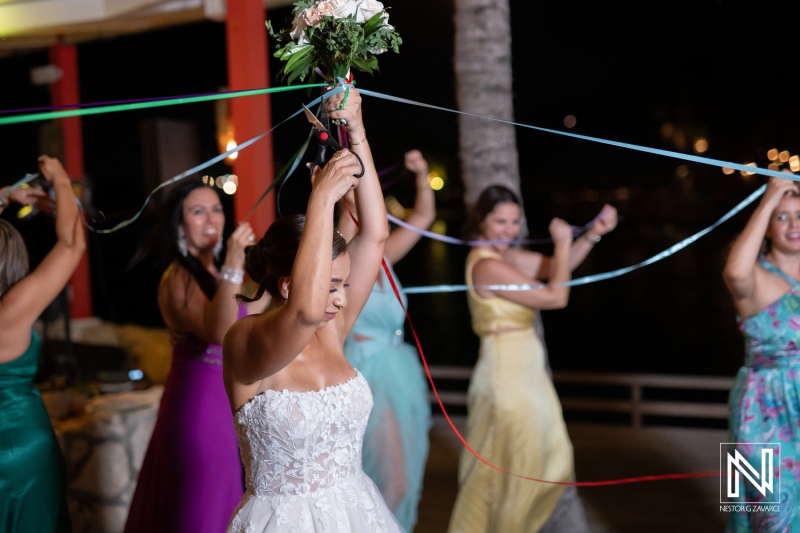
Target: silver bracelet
{"type": "Point", "coordinates": [591, 239]}
{"type": "Point", "coordinates": [232, 275]}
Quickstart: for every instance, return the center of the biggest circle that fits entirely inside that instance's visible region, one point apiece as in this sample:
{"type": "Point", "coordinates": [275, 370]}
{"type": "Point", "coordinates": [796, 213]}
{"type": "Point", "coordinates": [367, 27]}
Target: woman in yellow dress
{"type": "Point", "coordinates": [514, 416]}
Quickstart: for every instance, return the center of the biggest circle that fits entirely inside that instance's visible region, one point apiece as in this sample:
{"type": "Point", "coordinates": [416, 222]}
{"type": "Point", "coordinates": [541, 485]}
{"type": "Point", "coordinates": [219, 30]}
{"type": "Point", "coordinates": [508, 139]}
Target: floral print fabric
{"type": "Point", "coordinates": [765, 405]}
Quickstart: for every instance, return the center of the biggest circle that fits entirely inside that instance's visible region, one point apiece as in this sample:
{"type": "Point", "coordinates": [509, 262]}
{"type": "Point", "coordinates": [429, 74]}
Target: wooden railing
{"type": "Point", "coordinates": [636, 405]}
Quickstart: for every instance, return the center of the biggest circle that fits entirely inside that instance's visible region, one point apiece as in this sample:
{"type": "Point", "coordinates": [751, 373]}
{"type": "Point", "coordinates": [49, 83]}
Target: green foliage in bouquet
{"type": "Point", "coordinates": [328, 34]}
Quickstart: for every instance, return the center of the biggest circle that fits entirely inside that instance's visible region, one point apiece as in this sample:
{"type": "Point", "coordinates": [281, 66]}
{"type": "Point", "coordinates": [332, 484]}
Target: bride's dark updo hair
{"type": "Point", "coordinates": [272, 258]}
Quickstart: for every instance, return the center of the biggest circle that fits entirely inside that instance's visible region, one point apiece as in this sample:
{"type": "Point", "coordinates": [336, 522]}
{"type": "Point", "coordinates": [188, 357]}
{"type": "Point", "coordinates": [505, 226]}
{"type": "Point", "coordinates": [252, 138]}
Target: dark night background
{"type": "Point", "coordinates": [627, 72]}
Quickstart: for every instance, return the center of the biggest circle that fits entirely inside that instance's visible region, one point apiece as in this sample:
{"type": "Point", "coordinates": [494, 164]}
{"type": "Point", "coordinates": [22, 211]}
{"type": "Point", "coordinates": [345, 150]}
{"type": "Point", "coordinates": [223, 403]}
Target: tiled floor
{"type": "Point", "coordinates": [608, 452]}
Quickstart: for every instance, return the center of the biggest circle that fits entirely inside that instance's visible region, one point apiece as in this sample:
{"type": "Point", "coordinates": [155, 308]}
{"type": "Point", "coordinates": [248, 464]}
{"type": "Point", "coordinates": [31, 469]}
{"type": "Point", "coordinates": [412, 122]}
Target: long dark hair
{"type": "Point", "coordinates": [13, 257]}
{"type": "Point", "coordinates": [487, 201]}
{"type": "Point", "coordinates": [272, 258]}
{"type": "Point", "coordinates": [162, 241]}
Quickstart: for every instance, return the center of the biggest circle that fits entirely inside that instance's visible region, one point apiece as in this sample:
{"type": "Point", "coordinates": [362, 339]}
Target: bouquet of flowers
{"type": "Point", "coordinates": [336, 35]}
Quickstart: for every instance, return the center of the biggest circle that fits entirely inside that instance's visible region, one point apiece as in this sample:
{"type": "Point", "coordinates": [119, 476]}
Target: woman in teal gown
{"type": "Point", "coordinates": [396, 440]}
{"type": "Point", "coordinates": [32, 470]}
{"type": "Point", "coordinates": [765, 400]}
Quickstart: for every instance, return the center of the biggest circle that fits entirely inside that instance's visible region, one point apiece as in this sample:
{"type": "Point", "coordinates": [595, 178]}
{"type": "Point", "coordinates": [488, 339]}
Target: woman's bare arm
{"type": "Point", "coordinates": [24, 302]}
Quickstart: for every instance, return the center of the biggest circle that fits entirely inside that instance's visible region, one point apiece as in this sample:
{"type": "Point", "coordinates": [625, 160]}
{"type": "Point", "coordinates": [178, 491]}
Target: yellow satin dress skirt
{"type": "Point", "coordinates": [515, 422]}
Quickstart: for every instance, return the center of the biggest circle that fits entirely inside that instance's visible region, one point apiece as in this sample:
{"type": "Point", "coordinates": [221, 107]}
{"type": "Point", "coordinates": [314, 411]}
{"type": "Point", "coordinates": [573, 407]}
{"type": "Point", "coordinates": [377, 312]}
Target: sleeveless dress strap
{"type": "Point", "coordinates": [769, 267]}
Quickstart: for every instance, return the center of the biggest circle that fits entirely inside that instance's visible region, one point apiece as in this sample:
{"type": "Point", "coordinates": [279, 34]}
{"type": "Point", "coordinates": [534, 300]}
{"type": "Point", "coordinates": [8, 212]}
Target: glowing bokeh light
{"type": "Point", "coordinates": [700, 145]}
{"type": "Point", "coordinates": [229, 187]}
{"type": "Point", "coordinates": [440, 227]}
{"type": "Point", "coordinates": [230, 146]}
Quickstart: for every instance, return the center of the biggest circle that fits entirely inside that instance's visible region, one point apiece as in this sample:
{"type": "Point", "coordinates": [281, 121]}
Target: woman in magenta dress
{"type": "Point", "coordinates": [191, 478]}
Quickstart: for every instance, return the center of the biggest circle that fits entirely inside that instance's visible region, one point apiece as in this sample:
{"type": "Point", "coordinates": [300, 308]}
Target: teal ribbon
{"type": "Point", "coordinates": [33, 117]}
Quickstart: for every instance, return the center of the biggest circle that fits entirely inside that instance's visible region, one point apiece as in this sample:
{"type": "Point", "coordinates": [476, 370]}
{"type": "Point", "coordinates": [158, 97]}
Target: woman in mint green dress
{"type": "Point", "coordinates": [396, 440]}
{"type": "Point", "coordinates": [765, 400]}
{"type": "Point", "coordinates": [32, 473]}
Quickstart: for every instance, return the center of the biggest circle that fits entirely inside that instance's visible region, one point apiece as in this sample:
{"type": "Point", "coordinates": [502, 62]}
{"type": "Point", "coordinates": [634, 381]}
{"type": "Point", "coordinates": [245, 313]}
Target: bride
{"type": "Point", "coordinates": [300, 409]}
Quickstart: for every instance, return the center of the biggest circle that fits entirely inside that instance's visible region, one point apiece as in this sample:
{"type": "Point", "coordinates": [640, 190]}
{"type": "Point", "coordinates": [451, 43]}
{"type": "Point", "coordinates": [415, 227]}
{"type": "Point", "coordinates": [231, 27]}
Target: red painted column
{"type": "Point", "coordinates": [251, 115]}
{"type": "Point", "coordinates": [63, 92]}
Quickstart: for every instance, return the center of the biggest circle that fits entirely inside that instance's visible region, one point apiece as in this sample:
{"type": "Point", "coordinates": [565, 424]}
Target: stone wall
{"type": "Point", "coordinates": [104, 450]}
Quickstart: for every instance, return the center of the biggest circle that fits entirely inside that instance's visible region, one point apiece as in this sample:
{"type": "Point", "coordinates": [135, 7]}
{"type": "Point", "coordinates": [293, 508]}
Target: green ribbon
{"type": "Point", "coordinates": [33, 117]}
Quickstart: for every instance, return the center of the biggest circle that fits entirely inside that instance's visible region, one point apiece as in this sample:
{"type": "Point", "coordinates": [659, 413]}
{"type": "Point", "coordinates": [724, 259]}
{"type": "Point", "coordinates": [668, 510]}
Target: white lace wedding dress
{"type": "Point", "coordinates": [302, 457]}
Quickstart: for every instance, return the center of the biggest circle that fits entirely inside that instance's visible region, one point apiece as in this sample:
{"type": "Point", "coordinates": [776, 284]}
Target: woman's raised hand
{"type": "Point", "coordinates": [777, 188]}
{"type": "Point", "coordinates": [241, 237]}
{"type": "Point", "coordinates": [30, 196]}
{"type": "Point", "coordinates": [560, 231]}
{"type": "Point", "coordinates": [337, 176]}
{"type": "Point", "coordinates": [51, 168]}
{"type": "Point", "coordinates": [416, 163]}
{"type": "Point", "coordinates": [606, 221]}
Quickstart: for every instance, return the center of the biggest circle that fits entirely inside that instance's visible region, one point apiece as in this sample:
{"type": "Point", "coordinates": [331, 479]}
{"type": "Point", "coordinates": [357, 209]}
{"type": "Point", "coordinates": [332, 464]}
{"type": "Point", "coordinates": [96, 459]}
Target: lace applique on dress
{"type": "Point", "coordinates": [302, 457]}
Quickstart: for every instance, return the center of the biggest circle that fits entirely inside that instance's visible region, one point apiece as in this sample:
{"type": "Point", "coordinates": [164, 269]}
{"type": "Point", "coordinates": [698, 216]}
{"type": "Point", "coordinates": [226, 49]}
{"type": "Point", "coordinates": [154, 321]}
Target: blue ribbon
{"type": "Point", "coordinates": [605, 275]}
{"type": "Point", "coordinates": [576, 231]}
{"type": "Point", "coordinates": [657, 151]}
{"type": "Point", "coordinates": [213, 160]}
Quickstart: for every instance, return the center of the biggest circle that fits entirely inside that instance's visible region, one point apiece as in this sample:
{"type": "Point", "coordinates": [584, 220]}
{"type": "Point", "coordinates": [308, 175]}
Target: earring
{"type": "Point", "coordinates": [183, 246]}
{"type": "Point", "coordinates": [218, 248]}
{"type": "Point", "coordinates": [285, 295]}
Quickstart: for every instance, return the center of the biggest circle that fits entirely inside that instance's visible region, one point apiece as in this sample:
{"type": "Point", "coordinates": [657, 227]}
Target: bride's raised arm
{"type": "Point", "coordinates": [258, 346]}
{"type": "Point", "coordinates": [366, 248]}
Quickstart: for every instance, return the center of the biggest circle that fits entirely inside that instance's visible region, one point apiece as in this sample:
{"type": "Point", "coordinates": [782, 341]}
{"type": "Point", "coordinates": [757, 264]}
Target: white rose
{"type": "Point", "coordinates": [369, 8]}
{"type": "Point", "coordinates": [325, 9]}
{"type": "Point", "coordinates": [344, 8]}
{"type": "Point", "coordinates": [311, 16]}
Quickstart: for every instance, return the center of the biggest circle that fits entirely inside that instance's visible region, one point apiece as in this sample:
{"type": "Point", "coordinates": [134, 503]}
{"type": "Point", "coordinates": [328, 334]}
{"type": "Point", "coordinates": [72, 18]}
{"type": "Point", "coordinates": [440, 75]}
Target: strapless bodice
{"type": "Point", "coordinates": [298, 442]}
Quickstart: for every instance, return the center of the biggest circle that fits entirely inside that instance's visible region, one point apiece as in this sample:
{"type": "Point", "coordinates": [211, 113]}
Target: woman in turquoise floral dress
{"type": "Point", "coordinates": [763, 276]}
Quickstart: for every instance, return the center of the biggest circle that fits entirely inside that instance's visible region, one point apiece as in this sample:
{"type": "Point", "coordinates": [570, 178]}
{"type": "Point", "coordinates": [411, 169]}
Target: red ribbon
{"type": "Point", "coordinates": [601, 483]}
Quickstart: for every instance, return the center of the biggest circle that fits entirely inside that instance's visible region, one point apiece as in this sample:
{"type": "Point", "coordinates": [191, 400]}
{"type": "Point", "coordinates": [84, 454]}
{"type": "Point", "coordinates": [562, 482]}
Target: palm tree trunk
{"type": "Point", "coordinates": [488, 150]}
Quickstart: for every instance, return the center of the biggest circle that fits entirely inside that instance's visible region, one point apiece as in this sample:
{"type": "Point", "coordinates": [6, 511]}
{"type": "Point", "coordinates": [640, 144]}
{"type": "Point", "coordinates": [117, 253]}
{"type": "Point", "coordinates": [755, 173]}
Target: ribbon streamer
{"type": "Point", "coordinates": [601, 483]}
{"type": "Point", "coordinates": [605, 275]}
{"type": "Point", "coordinates": [216, 159]}
{"type": "Point", "coordinates": [576, 231]}
{"type": "Point", "coordinates": [233, 94]}
{"type": "Point", "coordinates": [145, 103]}
{"type": "Point", "coordinates": [638, 148]}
